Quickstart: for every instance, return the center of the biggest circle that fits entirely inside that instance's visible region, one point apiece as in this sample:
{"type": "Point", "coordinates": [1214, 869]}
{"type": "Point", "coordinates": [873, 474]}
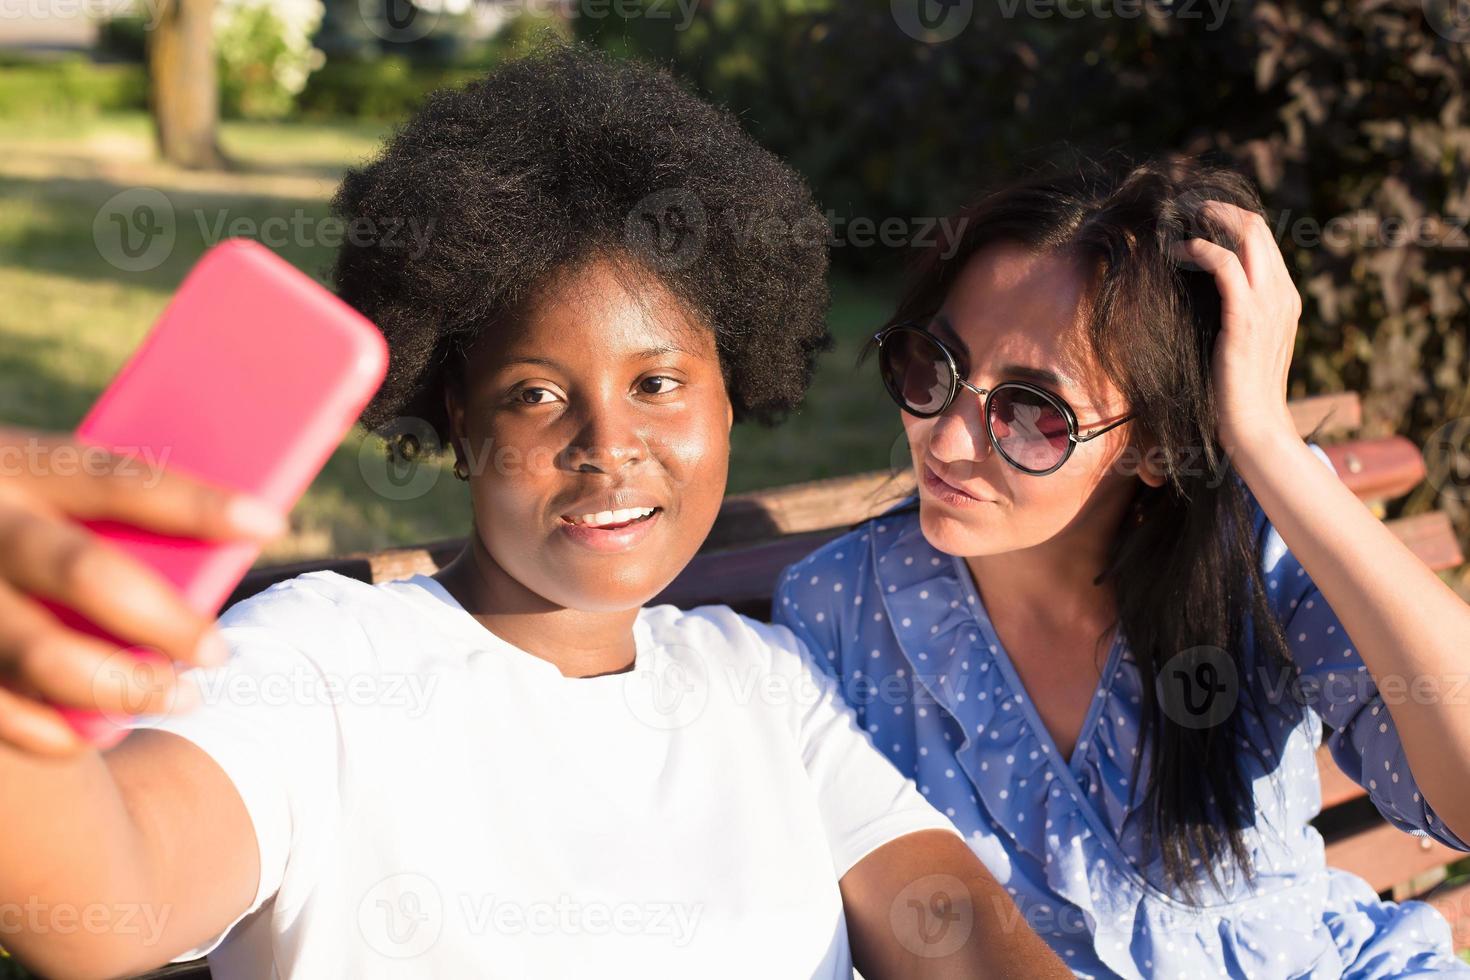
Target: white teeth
{"type": "Point", "coordinates": [605, 517]}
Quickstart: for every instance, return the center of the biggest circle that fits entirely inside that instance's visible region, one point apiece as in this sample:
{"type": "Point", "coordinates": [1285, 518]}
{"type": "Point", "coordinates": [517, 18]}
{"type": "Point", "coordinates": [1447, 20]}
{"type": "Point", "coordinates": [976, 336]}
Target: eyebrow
{"type": "Point", "coordinates": [647, 354]}
{"type": "Point", "coordinates": [1042, 375]}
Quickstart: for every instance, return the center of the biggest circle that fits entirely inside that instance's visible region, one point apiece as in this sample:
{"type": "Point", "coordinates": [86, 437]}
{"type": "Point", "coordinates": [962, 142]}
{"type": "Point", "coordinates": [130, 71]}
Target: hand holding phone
{"type": "Point", "coordinates": [242, 390]}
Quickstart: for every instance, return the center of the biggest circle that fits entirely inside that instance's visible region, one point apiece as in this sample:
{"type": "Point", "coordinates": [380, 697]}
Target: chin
{"type": "Point", "coordinates": [606, 591]}
{"type": "Point", "coordinates": [966, 535]}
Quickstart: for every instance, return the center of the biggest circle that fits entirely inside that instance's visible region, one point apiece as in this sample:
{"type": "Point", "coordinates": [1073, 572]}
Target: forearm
{"type": "Point", "coordinates": [923, 906]}
{"type": "Point", "coordinates": [74, 894]}
{"type": "Point", "coordinates": [1408, 626]}
{"type": "Point", "coordinates": [1004, 945]}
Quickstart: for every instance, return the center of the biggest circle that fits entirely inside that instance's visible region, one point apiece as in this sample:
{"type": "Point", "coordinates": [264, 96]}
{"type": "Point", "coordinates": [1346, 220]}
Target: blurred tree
{"type": "Point", "coordinates": [183, 91]}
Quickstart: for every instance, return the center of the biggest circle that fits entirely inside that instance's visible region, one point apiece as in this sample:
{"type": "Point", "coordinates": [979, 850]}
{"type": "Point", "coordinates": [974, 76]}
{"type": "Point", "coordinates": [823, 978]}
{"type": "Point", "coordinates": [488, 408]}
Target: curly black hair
{"type": "Point", "coordinates": [489, 192]}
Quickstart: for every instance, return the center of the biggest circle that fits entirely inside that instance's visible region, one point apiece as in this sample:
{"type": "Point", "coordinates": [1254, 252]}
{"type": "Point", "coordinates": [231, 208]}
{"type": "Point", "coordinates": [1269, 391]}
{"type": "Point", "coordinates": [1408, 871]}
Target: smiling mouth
{"type": "Point", "coordinates": [611, 520]}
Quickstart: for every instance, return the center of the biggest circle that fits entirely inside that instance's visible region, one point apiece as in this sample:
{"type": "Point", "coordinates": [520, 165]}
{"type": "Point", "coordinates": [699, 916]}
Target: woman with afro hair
{"type": "Point", "coordinates": [514, 767]}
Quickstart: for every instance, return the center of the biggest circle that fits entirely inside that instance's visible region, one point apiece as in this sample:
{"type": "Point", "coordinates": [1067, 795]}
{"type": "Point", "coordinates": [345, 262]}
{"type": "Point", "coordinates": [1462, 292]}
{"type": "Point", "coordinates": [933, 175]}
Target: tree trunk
{"type": "Point", "coordinates": [183, 91]}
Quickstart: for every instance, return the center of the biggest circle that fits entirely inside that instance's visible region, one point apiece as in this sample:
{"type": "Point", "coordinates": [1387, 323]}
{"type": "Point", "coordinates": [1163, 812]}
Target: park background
{"type": "Point", "coordinates": [134, 133]}
{"type": "Point", "coordinates": [1351, 117]}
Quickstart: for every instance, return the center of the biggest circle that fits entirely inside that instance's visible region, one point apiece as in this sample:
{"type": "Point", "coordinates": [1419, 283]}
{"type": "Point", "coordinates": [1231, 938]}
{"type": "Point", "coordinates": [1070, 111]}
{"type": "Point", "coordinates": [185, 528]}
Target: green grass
{"type": "Point", "coordinates": [71, 317]}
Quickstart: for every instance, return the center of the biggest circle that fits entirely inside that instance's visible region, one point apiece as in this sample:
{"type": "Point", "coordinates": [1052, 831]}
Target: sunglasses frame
{"type": "Point", "coordinates": [958, 381]}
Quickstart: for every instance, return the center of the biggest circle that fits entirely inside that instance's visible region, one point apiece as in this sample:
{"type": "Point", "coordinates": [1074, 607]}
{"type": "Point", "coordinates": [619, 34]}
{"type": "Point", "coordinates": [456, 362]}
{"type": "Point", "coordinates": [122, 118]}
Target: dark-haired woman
{"type": "Point", "coordinates": [1105, 634]}
{"type": "Point", "coordinates": [511, 768]}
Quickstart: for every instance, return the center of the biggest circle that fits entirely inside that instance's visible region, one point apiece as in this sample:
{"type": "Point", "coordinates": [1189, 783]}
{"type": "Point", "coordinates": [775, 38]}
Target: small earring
{"type": "Point", "coordinates": [461, 470]}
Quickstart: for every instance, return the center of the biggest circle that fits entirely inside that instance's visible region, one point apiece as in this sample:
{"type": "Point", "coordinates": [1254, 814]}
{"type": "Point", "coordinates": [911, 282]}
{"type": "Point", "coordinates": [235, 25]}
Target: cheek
{"type": "Point", "coordinates": [915, 439]}
{"type": "Point", "coordinates": [696, 461]}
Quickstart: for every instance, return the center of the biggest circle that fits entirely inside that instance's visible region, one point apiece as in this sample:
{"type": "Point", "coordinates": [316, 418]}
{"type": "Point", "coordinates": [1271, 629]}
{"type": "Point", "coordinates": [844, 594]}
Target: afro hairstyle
{"type": "Point", "coordinates": [491, 191]}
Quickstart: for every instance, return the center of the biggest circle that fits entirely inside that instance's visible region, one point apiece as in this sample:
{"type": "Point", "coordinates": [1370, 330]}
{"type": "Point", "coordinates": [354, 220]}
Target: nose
{"type": "Point", "coordinates": [958, 437]}
{"type": "Point", "coordinates": [607, 441]}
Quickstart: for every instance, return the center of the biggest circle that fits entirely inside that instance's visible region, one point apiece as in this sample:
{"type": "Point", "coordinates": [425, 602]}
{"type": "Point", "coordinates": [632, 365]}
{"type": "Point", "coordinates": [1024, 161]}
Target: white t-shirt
{"type": "Point", "coordinates": [429, 800]}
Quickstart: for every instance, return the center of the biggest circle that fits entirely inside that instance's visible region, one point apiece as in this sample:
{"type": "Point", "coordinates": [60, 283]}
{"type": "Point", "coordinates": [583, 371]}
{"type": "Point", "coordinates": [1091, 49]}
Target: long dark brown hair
{"type": "Point", "coordinates": [1187, 570]}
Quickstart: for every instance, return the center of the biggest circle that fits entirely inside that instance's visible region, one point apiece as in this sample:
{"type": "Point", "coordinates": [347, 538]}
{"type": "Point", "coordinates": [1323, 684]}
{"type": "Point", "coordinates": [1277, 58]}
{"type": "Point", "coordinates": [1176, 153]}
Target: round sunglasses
{"type": "Point", "coordinates": [1034, 430]}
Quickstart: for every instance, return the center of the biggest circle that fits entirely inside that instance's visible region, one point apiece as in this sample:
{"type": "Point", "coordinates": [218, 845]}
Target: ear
{"type": "Point", "coordinates": [729, 415]}
{"type": "Point", "coordinates": [1151, 458]}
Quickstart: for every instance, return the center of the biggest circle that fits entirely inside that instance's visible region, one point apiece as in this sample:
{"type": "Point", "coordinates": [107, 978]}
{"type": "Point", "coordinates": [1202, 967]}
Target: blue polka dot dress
{"type": "Point", "coordinates": [903, 628]}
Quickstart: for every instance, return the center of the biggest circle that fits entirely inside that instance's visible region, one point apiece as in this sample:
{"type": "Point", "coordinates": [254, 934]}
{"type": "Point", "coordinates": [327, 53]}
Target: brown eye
{"type": "Point", "coordinates": [533, 396]}
{"type": "Point", "coordinates": [658, 385]}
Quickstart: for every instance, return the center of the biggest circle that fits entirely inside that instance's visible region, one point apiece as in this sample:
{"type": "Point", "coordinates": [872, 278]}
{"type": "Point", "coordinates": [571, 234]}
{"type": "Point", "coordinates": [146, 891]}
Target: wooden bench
{"type": "Point", "coordinates": [758, 534]}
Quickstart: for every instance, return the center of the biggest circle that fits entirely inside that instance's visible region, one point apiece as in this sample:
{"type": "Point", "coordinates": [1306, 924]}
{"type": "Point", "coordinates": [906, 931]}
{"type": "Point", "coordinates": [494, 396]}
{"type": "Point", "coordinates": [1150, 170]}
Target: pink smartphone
{"type": "Point", "coordinates": [250, 379]}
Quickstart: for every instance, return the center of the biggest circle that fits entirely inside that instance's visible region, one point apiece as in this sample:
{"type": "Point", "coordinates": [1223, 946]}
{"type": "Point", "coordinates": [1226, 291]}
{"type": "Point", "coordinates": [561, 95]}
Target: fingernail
{"type": "Point", "coordinates": [212, 651]}
{"type": "Point", "coordinates": [255, 517]}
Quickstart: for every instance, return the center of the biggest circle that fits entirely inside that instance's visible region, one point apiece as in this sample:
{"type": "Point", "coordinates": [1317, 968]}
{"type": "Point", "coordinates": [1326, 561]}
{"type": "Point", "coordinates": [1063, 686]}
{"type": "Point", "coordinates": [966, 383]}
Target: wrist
{"type": "Point", "coordinates": [1265, 446]}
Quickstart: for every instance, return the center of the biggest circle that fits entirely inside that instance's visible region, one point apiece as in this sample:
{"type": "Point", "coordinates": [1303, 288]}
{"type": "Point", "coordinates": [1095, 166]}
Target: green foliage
{"type": "Point", "coordinates": [69, 88]}
{"type": "Point", "coordinates": [383, 89]}
{"type": "Point", "coordinates": [265, 55]}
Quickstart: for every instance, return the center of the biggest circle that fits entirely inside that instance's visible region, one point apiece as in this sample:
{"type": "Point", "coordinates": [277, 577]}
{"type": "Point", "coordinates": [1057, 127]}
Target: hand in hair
{"type": "Point", "coordinates": [1259, 309]}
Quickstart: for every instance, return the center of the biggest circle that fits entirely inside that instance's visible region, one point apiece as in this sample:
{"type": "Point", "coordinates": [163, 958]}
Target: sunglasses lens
{"type": "Point", "coordinates": [1028, 428]}
{"type": "Point", "coordinates": [915, 371]}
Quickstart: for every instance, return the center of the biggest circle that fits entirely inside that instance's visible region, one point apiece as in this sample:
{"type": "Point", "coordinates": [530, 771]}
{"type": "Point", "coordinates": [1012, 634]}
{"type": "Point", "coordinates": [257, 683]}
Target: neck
{"type": "Point", "coordinates": [578, 643]}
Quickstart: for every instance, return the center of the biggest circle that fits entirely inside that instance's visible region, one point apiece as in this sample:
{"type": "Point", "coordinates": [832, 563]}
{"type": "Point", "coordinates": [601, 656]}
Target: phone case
{"type": "Point", "coordinates": [250, 379]}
